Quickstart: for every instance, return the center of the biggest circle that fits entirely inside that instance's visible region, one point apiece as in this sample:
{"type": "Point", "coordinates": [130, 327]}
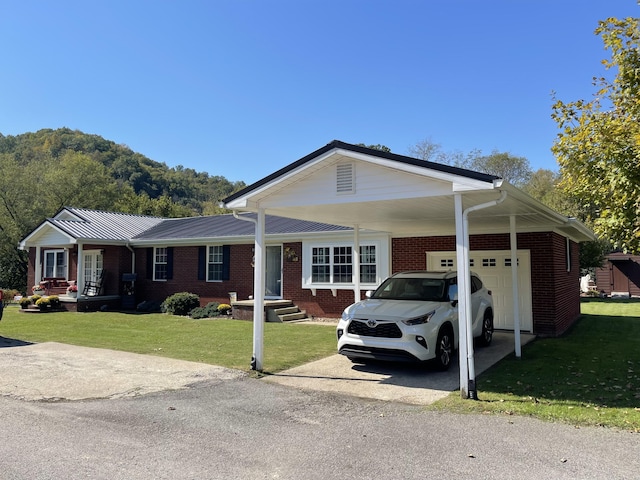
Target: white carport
{"type": "Point", "coordinates": [349, 185]}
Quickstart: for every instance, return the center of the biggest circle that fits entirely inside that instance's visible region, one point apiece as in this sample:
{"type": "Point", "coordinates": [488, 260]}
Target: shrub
{"type": "Point", "coordinates": [224, 308]}
{"type": "Point", "coordinates": [208, 311]}
{"type": "Point", "coordinates": [54, 300]}
{"type": "Point", "coordinates": [8, 295]}
{"type": "Point", "coordinates": [43, 302]}
{"type": "Point", "coordinates": [180, 303]}
{"type": "Point", "coordinates": [25, 302]}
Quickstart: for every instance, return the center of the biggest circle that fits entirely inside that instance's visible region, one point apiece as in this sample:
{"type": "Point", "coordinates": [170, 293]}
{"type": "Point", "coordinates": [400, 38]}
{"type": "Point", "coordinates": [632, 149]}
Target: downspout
{"type": "Point", "coordinates": [467, 290]}
{"type": "Point", "coordinates": [258, 294]}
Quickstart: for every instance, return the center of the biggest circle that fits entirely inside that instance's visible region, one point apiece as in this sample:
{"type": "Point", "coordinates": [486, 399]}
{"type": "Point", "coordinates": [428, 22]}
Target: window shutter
{"type": "Point", "coordinates": [150, 263]}
{"type": "Point", "coordinates": [169, 263]}
{"type": "Point", "coordinates": [202, 263]}
{"type": "Point", "coordinates": [226, 262]}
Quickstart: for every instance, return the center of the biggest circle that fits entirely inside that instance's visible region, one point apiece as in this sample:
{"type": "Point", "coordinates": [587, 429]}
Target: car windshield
{"type": "Point", "coordinates": [424, 289]}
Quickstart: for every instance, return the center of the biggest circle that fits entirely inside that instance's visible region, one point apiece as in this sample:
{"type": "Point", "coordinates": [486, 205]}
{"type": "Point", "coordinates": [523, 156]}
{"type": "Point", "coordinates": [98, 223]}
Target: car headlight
{"type": "Point", "coordinates": [419, 320]}
{"type": "Point", "coordinates": [347, 316]}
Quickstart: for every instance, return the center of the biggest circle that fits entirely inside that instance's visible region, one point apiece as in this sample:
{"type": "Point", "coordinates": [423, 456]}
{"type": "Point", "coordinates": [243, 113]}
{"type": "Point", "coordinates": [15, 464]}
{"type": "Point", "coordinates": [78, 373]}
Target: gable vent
{"type": "Point", "coordinates": [345, 182]}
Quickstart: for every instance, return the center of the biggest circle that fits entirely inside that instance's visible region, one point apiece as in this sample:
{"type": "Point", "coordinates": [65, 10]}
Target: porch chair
{"type": "Point", "coordinates": [93, 288]}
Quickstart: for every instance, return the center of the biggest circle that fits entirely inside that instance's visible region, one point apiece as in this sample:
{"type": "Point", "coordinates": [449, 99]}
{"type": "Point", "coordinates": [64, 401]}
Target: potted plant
{"type": "Point", "coordinates": [72, 291]}
{"type": "Point", "coordinates": [25, 302]}
{"type": "Point", "coordinates": [38, 290]}
{"type": "Point", "coordinates": [43, 303]}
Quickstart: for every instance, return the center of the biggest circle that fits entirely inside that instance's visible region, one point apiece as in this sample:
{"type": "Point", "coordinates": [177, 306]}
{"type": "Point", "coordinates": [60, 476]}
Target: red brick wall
{"type": "Point", "coordinates": [185, 276]}
{"type": "Point", "coordinates": [555, 292]}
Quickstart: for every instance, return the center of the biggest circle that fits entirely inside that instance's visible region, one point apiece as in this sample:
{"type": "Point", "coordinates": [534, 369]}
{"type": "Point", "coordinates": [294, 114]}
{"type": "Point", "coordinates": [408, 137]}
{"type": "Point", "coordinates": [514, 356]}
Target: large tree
{"type": "Point", "coordinates": [598, 147]}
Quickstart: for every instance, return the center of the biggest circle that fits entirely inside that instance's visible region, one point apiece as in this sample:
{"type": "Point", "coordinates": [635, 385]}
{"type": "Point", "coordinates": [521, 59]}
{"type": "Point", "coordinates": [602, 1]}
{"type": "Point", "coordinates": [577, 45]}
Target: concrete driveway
{"type": "Point", "coordinates": [419, 385]}
{"type": "Point", "coordinates": [53, 371]}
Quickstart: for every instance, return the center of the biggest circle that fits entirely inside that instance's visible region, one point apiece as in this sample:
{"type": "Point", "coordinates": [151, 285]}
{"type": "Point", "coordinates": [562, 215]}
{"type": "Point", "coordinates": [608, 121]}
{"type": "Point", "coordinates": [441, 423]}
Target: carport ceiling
{"type": "Point", "coordinates": [396, 194]}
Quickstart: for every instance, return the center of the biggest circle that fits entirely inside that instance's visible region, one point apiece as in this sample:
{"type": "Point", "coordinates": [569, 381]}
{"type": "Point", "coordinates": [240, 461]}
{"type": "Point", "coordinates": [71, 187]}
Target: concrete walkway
{"type": "Point", "coordinates": [413, 384]}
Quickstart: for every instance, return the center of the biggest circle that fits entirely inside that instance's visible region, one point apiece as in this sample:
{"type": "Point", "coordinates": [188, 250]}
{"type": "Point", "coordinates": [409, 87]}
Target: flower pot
{"type": "Point", "coordinates": [72, 294]}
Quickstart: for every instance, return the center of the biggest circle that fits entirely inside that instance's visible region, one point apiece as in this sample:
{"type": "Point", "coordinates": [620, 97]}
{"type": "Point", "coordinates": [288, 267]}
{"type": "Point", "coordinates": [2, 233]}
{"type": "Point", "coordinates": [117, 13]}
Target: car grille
{"type": "Point", "coordinates": [384, 330]}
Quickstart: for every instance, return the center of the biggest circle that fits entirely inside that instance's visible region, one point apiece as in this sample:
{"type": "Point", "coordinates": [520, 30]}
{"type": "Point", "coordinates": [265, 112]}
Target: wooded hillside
{"type": "Point", "coordinates": [44, 171]}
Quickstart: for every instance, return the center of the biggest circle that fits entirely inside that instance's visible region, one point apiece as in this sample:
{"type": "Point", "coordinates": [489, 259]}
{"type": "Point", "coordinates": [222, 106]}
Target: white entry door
{"type": "Point", "coordinates": [494, 268]}
{"type": "Point", "coordinates": [93, 261]}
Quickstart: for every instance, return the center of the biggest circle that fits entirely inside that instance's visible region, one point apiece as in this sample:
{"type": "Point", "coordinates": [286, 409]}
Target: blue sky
{"type": "Point", "coordinates": [242, 88]}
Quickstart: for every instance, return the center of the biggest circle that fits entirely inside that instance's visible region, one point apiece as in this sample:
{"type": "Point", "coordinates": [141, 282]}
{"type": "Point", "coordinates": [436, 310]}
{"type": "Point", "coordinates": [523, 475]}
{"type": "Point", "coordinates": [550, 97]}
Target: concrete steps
{"type": "Point", "coordinates": [288, 313]}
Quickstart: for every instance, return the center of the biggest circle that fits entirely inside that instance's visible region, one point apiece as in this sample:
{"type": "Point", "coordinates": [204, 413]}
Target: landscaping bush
{"type": "Point", "coordinates": [180, 303]}
{"type": "Point", "coordinates": [224, 309]}
{"type": "Point", "coordinates": [208, 311]}
{"type": "Point", "coordinates": [25, 302]}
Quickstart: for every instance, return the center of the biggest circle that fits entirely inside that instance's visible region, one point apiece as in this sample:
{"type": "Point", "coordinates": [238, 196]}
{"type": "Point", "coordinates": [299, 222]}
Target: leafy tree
{"type": "Point", "coordinates": [515, 170]}
{"type": "Point", "coordinates": [43, 171]}
{"type": "Point", "coordinates": [382, 148]}
{"type": "Point", "coordinates": [598, 148]}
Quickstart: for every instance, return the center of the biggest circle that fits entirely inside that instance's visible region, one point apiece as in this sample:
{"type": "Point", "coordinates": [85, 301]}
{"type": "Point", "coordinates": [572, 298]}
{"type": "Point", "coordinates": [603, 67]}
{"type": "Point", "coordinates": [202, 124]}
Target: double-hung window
{"type": "Point", "coordinates": [160, 263]}
{"type": "Point", "coordinates": [334, 264]}
{"type": "Point", "coordinates": [55, 264]}
{"type": "Point", "coordinates": [215, 260]}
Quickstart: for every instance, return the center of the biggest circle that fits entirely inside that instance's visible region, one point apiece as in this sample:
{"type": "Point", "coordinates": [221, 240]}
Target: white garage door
{"type": "Point", "coordinates": [494, 268]}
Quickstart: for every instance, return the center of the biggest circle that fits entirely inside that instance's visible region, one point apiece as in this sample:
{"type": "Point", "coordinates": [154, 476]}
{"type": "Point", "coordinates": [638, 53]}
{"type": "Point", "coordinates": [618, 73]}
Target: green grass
{"type": "Point", "coordinates": [590, 376]}
{"type": "Point", "coordinates": [228, 343]}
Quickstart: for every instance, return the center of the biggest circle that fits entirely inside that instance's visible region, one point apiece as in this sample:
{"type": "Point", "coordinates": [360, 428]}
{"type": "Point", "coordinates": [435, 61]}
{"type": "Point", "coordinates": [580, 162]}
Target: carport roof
{"type": "Point", "coordinates": [346, 184]}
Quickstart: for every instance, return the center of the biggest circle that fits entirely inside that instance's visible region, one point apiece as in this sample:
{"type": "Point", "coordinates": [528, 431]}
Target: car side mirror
{"type": "Point", "coordinates": [368, 293]}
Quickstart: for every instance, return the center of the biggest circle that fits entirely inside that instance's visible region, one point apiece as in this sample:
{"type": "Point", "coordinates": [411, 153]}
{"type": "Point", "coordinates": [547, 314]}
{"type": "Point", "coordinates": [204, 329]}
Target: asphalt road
{"type": "Point", "coordinates": [245, 428]}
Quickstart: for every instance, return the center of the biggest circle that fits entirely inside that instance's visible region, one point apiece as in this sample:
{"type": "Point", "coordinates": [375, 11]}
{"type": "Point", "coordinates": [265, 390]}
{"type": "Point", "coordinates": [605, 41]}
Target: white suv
{"type": "Point", "coordinates": [413, 316]}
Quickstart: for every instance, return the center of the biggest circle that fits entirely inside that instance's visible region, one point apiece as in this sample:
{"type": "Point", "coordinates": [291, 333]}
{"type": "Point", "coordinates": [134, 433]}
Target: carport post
{"type": "Point", "coordinates": [259, 267]}
{"type": "Point", "coordinates": [514, 283]}
{"type": "Point", "coordinates": [258, 293]}
{"type": "Point", "coordinates": [356, 263]}
{"type": "Point", "coordinates": [462, 255]}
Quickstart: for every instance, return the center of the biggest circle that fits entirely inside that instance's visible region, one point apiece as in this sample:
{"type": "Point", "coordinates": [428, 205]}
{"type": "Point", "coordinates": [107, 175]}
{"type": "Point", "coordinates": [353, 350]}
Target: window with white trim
{"type": "Point", "coordinates": [335, 264]}
{"type": "Point", "coordinates": [215, 261]}
{"type": "Point", "coordinates": [368, 270]}
{"type": "Point", "coordinates": [320, 265]}
{"type": "Point", "coordinates": [160, 263]}
{"type": "Point", "coordinates": [55, 263]}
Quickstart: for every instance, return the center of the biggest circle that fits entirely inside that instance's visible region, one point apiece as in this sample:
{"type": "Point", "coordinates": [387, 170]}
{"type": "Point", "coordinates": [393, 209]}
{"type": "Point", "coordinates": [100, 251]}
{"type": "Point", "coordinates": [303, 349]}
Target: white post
{"type": "Point", "coordinates": [38, 272]}
{"type": "Point", "coordinates": [514, 284]}
{"type": "Point", "coordinates": [258, 293]}
{"type": "Point", "coordinates": [462, 261]}
{"type": "Point", "coordinates": [80, 267]}
{"type": "Point", "coordinates": [356, 263]}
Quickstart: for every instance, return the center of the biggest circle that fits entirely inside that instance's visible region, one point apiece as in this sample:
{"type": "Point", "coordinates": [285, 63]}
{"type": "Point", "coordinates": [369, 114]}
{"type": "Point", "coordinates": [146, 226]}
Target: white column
{"type": "Point", "coordinates": [38, 266]}
{"type": "Point", "coordinates": [462, 259]}
{"type": "Point", "coordinates": [356, 263]}
{"type": "Point", "coordinates": [80, 266]}
{"type": "Point", "coordinates": [514, 284]}
{"type": "Point", "coordinates": [258, 293]}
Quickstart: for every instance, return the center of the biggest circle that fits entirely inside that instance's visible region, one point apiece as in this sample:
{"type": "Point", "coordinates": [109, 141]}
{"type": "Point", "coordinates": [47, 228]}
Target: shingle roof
{"type": "Point", "coordinates": [229, 226]}
{"type": "Point", "coordinates": [99, 225]}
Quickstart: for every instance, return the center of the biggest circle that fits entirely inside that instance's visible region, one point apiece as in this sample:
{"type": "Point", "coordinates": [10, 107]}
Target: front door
{"type": "Point", "coordinates": [273, 281]}
{"type": "Point", "coordinates": [93, 261]}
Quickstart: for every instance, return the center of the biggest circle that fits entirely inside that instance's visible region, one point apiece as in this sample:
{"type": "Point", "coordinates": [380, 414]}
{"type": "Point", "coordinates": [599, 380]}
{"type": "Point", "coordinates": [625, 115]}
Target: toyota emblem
{"type": "Point", "coordinates": [372, 323]}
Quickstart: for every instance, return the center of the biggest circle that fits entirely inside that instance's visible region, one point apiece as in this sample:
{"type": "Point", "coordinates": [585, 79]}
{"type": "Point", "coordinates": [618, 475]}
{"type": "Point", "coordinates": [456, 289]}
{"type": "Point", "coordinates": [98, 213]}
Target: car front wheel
{"type": "Point", "coordinates": [444, 348]}
{"type": "Point", "coordinates": [487, 330]}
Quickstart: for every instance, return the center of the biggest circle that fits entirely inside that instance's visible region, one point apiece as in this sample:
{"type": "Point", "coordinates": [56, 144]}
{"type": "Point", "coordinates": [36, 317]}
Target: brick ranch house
{"type": "Point", "coordinates": [399, 211]}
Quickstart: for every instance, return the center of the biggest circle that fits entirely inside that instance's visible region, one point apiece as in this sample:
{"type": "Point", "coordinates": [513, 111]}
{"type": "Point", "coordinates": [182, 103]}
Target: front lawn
{"type": "Point", "coordinates": [590, 376]}
{"type": "Point", "coordinates": [224, 342]}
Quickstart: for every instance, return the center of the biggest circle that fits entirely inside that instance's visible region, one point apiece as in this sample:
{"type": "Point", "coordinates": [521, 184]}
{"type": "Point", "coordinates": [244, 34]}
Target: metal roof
{"type": "Point", "coordinates": [86, 224]}
{"type": "Point", "coordinates": [227, 225]}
